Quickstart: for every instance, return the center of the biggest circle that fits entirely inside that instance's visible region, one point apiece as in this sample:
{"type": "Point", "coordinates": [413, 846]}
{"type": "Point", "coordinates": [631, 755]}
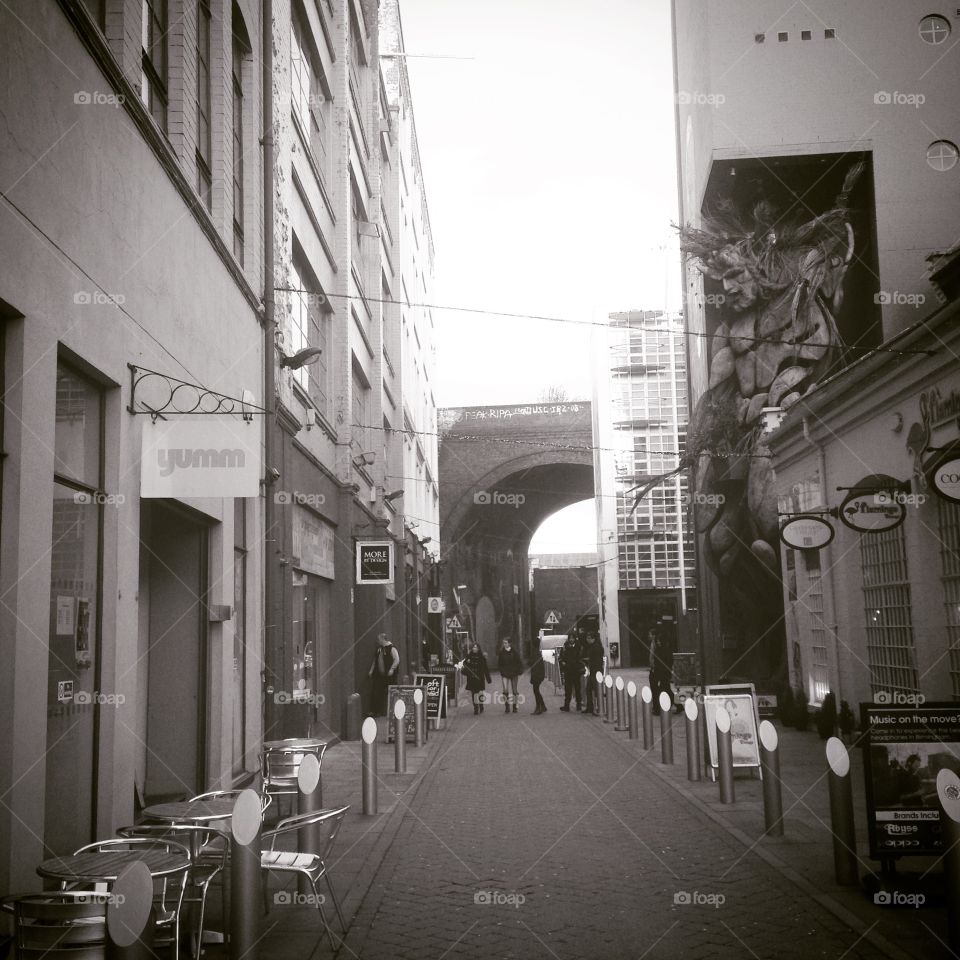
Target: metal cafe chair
{"type": "Point", "coordinates": [168, 891]}
{"type": "Point", "coordinates": [209, 851]}
{"type": "Point", "coordinates": [231, 795]}
{"type": "Point", "coordinates": [313, 866]}
{"type": "Point", "coordinates": [68, 924]}
{"type": "Point", "coordinates": [280, 765]}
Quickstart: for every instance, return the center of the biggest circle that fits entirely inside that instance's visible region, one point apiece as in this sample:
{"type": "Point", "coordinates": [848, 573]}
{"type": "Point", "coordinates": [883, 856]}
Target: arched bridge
{"type": "Point", "coordinates": [503, 470]}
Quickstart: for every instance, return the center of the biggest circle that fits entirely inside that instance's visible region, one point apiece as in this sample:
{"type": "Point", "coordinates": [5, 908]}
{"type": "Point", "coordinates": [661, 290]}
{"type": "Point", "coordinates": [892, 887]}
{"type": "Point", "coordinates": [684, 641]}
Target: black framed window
{"type": "Point", "coordinates": [153, 42]}
{"type": "Point", "coordinates": [239, 633]}
{"type": "Point", "coordinates": [240, 51]}
{"type": "Point", "coordinates": [204, 136]}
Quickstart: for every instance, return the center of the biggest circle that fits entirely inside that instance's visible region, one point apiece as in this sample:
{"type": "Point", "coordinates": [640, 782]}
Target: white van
{"type": "Point", "coordinates": [549, 642]}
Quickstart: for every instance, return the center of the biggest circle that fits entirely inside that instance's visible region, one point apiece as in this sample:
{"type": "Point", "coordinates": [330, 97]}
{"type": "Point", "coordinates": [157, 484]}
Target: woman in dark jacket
{"type": "Point", "coordinates": [510, 666]}
{"type": "Point", "coordinates": [537, 672]}
{"type": "Point", "coordinates": [477, 672]}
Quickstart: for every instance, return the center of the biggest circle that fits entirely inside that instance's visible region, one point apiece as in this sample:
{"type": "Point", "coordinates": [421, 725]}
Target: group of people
{"type": "Point", "coordinates": [477, 674]}
{"type": "Point", "coordinates": [581, 657]}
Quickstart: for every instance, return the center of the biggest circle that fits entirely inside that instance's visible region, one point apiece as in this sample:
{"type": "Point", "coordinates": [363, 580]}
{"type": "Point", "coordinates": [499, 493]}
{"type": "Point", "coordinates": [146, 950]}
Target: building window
{"type": "Point", "coordinates": [934, 29]}
{"type": "Point", "coordinates": [361, 410]}
{"type": "Point", "coordinates": [830, 34]}
{"type": "Point", "coordinates": [888, 613]}
{"type": "Point", "coordinates": [813, 602]}
{"type": "Point", "coordinates": [806, 35]}
{"type": "Point", "coordinates": [309, 98]}
{"type": "Point", "coordinates": [949, 516]}
{"type": "Point", "coordinates": [309, 327]}
{"type": "Point", "coordinates": [783, 37]}
{"type": "Point", "coordinates": [240, 50]}
{"type": "Point", "coordinates": [75, 590]}
{"type": "Point", "coordinates": [942, 155]}
{"type": "Point", "coordinates": [204, 136]}
{"type": "Point", "coordinates": [239, 633]}
{"type": "Point", "coordinates": [153, 42]}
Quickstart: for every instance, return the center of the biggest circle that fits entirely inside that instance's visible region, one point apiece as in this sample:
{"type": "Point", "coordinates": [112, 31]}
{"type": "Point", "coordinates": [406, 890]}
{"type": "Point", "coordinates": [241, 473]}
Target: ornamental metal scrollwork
{"type": "Point", "coordinates": [175, 397]}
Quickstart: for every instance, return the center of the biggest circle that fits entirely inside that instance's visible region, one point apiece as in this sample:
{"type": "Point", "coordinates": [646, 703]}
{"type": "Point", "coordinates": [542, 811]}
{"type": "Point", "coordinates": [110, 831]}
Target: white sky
{"type": "Point", "coordinates": [549, 164]}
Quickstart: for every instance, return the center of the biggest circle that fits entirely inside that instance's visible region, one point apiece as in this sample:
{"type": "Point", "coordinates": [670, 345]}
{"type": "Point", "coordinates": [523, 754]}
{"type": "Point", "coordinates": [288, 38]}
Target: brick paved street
{"type": "Point", "coordinates": [539, 837]}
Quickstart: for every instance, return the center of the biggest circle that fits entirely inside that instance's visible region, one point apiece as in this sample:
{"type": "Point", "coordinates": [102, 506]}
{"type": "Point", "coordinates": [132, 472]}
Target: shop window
{"type": "Point", "coordinates": [75, 586]}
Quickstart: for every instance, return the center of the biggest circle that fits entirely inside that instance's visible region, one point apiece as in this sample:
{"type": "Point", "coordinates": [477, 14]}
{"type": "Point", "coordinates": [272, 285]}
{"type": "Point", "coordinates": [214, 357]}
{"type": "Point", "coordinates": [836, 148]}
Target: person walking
{"type": "Point", "coordinates": [383, 673]}
{"type": "Point", "coordinates": [477, 672]}
{"type": "Point", "coordinates": [571, 663]}
{"type": "Point", "coordinates": [593, 661]}
{"type": "Point", "coordinates": [537, 672]}
{"type": "Point", "coordinates": [662, 649]}
{"type": "Point", "coordinates": [510, 666]}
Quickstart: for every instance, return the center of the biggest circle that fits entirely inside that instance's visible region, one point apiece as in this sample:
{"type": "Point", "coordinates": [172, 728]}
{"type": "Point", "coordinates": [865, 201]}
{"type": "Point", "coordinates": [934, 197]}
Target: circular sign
{"type": "Point", "coordinates": [768, 736]}
{"type": "Point", "coordinates": [129, 903]}
{"type": "Point", "coordinates": [247, 817]}
{"type": "Point", "coordinates": [646, 695]}
{"type": "Point", "coordinates": [368, 731]}
{"type": "Point", "coordinates": [631, 689]}
{"type": "Point", "coordinates": [619, 683]}
{"type": "Point", "coordinates": [807, 532]}
{"type": "Point", "coordinates": [722, 720]}
{"type": "Point", "coordinates": [948, 790]}
{"type": "Point", "coordinates": [873, 511]}
{"type": "Point", "coordinates": [608, 681]}
{"type": "Point", "coordinates": [309, 775]}
{"type": "Point", "coordinates": [945, 477]}
{"type": "Point", "coordinates": [666, 704]}
{"type": "Point", "coordinates": [690, 708]}
{"type": "Point", "coordinates": [837, 757]}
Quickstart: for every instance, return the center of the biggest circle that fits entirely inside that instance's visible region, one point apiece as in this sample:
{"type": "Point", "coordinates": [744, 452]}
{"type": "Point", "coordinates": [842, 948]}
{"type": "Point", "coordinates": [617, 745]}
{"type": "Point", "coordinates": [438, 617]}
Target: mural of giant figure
{"type": "Point", "coordinates": [782, 281]}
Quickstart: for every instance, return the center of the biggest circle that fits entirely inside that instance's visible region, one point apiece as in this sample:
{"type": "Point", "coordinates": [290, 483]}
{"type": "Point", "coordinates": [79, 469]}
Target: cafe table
{"type": "Point", "coordinates": [100, 866]}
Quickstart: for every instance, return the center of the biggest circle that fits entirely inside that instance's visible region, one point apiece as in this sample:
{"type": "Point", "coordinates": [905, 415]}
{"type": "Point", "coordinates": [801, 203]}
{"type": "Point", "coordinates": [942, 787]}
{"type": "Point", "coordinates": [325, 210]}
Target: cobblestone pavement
{"type": "Point", "coordinates": [537, 837]}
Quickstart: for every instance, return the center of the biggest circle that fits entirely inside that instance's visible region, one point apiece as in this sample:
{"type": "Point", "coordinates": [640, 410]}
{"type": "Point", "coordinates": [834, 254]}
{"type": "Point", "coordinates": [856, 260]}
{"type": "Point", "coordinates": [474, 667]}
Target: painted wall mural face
{"type": "Point", "coordinates": [782, 278]}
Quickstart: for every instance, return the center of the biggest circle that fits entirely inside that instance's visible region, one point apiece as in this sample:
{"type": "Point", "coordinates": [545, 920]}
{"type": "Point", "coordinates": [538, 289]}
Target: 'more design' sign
{"type": "Point", "coordinates": [215, 457]}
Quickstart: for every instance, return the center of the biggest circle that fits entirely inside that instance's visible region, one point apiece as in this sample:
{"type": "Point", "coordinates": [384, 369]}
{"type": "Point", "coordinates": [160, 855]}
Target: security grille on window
{"type": "Point", "coordinates": [888, 612]}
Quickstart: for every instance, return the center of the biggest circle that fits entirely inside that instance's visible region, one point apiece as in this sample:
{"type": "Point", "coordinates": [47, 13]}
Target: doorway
{"type": "Point", "coordinates": [173, 643]}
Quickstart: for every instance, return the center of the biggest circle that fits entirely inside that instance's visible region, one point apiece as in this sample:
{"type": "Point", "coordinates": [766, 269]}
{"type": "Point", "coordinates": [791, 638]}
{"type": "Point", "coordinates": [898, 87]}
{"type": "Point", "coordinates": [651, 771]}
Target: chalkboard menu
{"type": "Point", "coordinates": [404, 693]}
{"type": "Point", "coordinates": [434, 687]}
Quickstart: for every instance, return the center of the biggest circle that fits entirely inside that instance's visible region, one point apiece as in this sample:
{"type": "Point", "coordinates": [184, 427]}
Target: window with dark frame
{"type": "Point", "coordinates": [204, 134]}
{"type": "Point", "coordinates": [153, 41]}
{"type": "Point", "coordinates": [309, 327]}
{"type": "Point", "coordinates": [239, 633]}
{"type": "Point", "coordinates": [308, 94]}
{"type": "Point", "coordinates": [240, 50]}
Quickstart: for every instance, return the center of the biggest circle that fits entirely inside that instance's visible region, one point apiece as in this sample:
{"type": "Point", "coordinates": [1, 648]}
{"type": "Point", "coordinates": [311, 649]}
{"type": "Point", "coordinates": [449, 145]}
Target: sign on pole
{"type": "Point", "coordinates": [552, 618]}
{"type": "Point", "coordinates": [434, 604]}
{"type": "Point", "coordinates": [374, 561]}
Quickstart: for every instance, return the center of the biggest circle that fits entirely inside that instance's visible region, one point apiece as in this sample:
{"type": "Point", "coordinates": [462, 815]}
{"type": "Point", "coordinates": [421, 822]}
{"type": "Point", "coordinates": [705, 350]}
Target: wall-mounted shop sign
{"type": "Point", "coordinates": [374, 561]}
{"type": "Point", "coordinates": [871, 512]}
{"type": "Point", "coordinates": [215, 457]}
{"type": "Point", "coordinates": [313, 543]}
{"type": "Point", "coordinates": [806, 532]}
{"type": "Point", "coordinates": [944, 476]}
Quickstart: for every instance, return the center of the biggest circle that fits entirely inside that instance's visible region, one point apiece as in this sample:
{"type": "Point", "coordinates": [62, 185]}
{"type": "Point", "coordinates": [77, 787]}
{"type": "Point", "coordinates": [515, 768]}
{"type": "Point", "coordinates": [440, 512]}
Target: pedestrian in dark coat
{"type": "Point", "coordinates": [537, 672]}
{"type": "Point", "coordinates": [477, 672]}
{"type": "Point", "coordinates": [593, 661]}
{"type": "Point", "coordinates": [510, 666]}
{"type": "Point", "coordinates": [662, 649]}
{"type": "Point", "coordinates": [571, 663]}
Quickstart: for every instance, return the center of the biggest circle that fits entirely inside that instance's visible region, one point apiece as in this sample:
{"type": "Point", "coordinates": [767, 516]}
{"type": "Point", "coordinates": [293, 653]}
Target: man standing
{"type": "Point", "coordinates": [593, 661]}
{"type": "Point", "coordinates": [572, 666]}
{"type": "Point", "coordinates": [383, 673]}
{"type": "Point", "coordinates": [662, 649]}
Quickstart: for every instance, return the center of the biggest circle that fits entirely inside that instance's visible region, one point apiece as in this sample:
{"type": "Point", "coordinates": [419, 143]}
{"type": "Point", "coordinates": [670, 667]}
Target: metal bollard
{"type": "Point", "coordinates": [691, 712]}
{"type": "Point", "coordinates": [948, 793]}
{"type": "Point", "coordinates": [352, 717]}
{"type": "Point", "coordinates": [725, 757]}
{"type": "Point", "coordinates": [368, 766]}
{"type": "Point", "coordinates": [245, 877]}
{"type": "Point", "coordinates": [770, 772]}
{"type": "Point", "coordinates": [646, 697]}
{"type": "Point", "coordinates": [666, 728]}
{"type": "Point", "coordinates": [608, 695]}
{"type": "Point", "coordinates": [621, 705]}
{"type": "Point", "coordinates": [633, 719]}
{"type": "Point", "coordinates": [130, 915]}
{"type": "Point", "coordinates": [842, 827]}
{"type": "Point", "coordinates": [309, 800]}
{"type": "Point", "coordinates": [419, 711]}
{"type": "Point", "coordinates": [598, 706]}
{"type": "Point", "coordinates": [400, 737]}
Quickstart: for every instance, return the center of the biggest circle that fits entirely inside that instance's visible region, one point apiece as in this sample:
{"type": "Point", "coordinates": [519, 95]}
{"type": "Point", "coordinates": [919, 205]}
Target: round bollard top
{"type": "Point", "coordinates": [599, 676]}
{"type": "Point", "coordinates": [247, 814]}
{"type": "Point", "coordinates": [418, 696]}
{"type": "Point", "coordinates": [631, 689]}
{"type": "Point", "coordinates": [646, 695]}
{"type": "Point", "coordinates": [608, 682]}
{"type": "Point", "coordinates": [768, 736]}
{"type": "Point", "coordinates": [309, 774]}
{"type": "Point", "coordinates": [666, 703]}
{"type": "Point", "coordinates": [128, 909]}
{"type": "Point", "coordinates": [948, 793]}
{"type": "Point", "coordinates": [619, 682]}
{"type": "Point", "coordinates": [723, 720]}
{"type": "Point", "coordinates": [837, 757]}
{"type": "Point", "coordinates": [690, 708]}
{"type": "Point", "coordinates": [368, 731]}
{"type": "Point", "coordinates": [399, 709]}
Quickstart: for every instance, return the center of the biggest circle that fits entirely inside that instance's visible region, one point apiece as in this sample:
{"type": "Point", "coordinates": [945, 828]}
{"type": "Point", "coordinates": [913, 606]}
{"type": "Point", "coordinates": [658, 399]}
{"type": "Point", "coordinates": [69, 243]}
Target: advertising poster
{"type": "Point", "coordinates": [743, 727]}
{"type": "Point", "coordinates": [904, 750]}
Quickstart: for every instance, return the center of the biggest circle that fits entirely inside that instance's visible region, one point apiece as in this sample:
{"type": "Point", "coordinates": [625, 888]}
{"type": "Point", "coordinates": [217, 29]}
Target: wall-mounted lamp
{"type": "Point", "coordinates": [425, 541]}
{"type": "Point", "coordinates": [301, 358]}
{"type": "Point", "coordinates": [393, 495]}
{"type": "Point", "coordinates": [364, 459]}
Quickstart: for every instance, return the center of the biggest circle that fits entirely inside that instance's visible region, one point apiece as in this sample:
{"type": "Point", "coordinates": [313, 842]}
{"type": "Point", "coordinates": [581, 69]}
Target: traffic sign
{"type": "Point", "coordinates": [454, 623]}
{"type": "Point", "coordinates": [434, 604]}
{"type": "Point", "coordinates": [552, 618]}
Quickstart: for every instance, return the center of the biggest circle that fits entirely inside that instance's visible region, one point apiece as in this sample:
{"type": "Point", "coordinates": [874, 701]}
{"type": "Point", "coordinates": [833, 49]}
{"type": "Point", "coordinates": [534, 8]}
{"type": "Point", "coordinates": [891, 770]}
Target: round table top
{"type": "Point", "coordinates": [297, 743]}
{"type": "Point", "coordinates": [190, 811]}
{"type": "Point", "coordinates": [98, 866]}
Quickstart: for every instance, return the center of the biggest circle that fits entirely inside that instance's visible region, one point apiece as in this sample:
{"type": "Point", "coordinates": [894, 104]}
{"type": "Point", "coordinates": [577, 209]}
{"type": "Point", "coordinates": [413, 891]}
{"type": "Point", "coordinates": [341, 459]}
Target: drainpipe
{"type": "Point", "coordinates": [830, 608]}
{"type": "Point", "coordinates": [272, 622]}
